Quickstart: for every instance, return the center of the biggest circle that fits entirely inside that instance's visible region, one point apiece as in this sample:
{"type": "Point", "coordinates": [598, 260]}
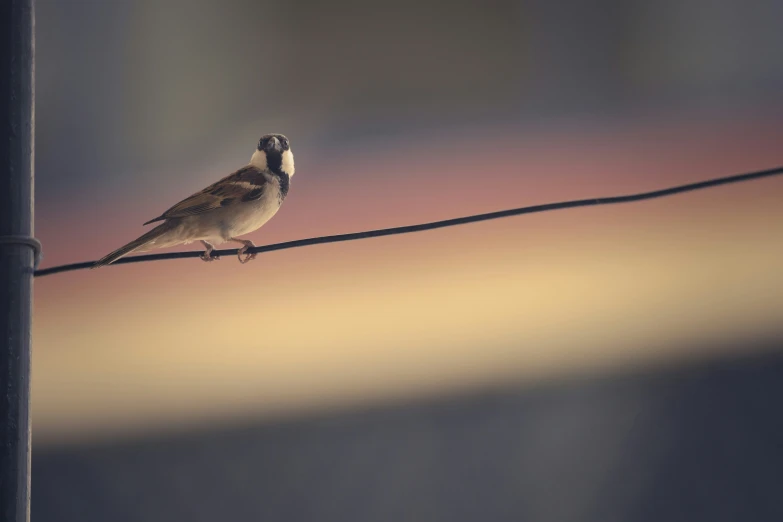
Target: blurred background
{"type": "Point", "coordinates": [610, 363]}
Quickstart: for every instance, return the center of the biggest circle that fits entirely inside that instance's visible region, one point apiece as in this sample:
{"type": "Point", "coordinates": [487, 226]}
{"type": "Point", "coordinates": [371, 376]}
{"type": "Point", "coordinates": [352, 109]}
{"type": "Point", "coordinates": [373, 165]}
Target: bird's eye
{"type": "Point", "coordinates": [284, 143]}
{"type": "Point", "coordinates": [261, 144]}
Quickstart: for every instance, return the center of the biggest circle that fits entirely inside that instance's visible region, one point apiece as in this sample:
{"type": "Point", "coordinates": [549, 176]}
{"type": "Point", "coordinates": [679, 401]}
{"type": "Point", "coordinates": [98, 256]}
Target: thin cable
{"type": "Point", "coordinates": [435, 224]}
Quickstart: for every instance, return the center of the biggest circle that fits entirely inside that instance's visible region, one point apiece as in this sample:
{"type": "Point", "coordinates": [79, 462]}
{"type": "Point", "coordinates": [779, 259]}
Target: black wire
{"type": "Point", "coordinates": [433, 225]}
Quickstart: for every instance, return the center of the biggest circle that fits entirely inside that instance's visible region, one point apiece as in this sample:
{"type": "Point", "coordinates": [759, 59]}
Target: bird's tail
{"type": "Point", "coordinates": [134, 245]}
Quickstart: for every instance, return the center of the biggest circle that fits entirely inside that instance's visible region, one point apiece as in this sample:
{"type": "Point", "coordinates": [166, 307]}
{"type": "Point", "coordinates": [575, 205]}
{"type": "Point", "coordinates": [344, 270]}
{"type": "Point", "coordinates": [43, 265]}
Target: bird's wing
{"type": "Point", "coordinates": [246, 184]}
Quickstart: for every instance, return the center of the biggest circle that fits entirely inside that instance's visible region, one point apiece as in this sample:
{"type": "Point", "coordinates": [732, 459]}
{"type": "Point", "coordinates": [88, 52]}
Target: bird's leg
{"type": "Point", "coordinates": [207, 255]}
{"type": "Point", "coordinates": [247, 244]}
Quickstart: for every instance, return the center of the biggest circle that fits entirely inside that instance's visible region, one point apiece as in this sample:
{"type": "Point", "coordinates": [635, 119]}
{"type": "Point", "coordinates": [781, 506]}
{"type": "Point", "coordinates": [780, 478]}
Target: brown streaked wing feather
{"type": "Point", "coordinates": [246, 184]}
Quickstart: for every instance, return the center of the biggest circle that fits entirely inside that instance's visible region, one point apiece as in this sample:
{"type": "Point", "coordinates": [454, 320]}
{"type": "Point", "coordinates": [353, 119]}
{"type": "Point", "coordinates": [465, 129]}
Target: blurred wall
{"type": "Point", "coordinates": [399, 113]}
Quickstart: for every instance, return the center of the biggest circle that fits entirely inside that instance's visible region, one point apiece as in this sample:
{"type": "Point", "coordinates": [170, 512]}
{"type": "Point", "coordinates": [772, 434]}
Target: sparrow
{"type": "Point", "coordinates": [238, 204]}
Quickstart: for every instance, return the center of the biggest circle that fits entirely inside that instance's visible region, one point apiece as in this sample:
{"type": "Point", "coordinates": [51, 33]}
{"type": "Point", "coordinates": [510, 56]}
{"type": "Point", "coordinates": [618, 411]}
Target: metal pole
{"type": "Point", "coordinates": [18, 250]}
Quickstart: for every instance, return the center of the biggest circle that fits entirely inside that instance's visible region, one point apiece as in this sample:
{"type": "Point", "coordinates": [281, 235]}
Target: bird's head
{"type": "Point", "coordinates": [274, 152]}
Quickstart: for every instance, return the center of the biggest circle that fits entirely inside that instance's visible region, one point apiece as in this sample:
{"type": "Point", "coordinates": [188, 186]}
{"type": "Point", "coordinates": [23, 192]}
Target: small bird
{"type": "Point", "coordinates": [236, 205]}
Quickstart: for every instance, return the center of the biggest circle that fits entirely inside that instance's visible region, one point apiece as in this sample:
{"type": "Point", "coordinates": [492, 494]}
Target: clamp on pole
{"type": "Point", "coordinates": [25, 240]}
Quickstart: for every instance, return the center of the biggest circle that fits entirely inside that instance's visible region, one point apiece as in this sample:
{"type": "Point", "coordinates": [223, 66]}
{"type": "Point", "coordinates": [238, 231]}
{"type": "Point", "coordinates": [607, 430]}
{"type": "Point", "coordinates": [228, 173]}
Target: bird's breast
{"type": "Point", "coordinates": [239, 218]}
{"type": "Point", "coordinates": [252, 215]}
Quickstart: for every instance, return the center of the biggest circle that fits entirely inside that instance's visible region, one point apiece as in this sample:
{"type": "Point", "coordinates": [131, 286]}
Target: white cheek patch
{"type": "Point", "coordinates": [288, 162]}
{"type": "Point", "coordinates": [258, 160]}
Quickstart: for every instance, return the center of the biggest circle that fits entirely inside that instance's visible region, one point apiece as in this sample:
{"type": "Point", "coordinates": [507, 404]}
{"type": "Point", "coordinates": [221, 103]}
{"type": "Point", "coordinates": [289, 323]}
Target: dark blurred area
{"type": "Point", "coordinates": [614, 364]}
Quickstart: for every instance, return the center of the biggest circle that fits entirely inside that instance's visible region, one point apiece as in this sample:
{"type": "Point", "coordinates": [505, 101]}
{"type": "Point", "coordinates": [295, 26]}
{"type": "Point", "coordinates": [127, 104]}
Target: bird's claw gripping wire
{"type": "Point", "coordinates": [248, 257]}
{"type": "Point", "coordinates": [208, 255]}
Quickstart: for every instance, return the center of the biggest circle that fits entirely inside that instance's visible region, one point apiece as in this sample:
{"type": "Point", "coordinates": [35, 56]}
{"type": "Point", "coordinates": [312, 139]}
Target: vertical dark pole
{"type": "Point", "coordinates": [16, 257]}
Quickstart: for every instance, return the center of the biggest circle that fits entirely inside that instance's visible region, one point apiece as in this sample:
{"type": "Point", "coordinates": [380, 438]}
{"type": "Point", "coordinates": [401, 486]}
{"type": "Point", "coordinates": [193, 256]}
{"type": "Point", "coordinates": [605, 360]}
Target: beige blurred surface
{"type": "Point", "coordinates": [336, 325]}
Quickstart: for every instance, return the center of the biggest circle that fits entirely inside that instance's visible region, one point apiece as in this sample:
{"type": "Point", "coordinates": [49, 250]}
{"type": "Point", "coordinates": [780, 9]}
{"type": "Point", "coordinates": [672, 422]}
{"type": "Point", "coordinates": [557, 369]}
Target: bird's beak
{"type": "Point", "coordinates": [274, 144]}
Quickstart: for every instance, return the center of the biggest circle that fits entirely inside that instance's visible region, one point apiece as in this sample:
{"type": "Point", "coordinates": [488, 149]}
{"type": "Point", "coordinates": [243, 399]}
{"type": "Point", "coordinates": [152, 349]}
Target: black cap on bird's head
{"type": "Point", "coordinates": [274, 152]}
{"type": "Point", "coordinates": [273, 142]}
